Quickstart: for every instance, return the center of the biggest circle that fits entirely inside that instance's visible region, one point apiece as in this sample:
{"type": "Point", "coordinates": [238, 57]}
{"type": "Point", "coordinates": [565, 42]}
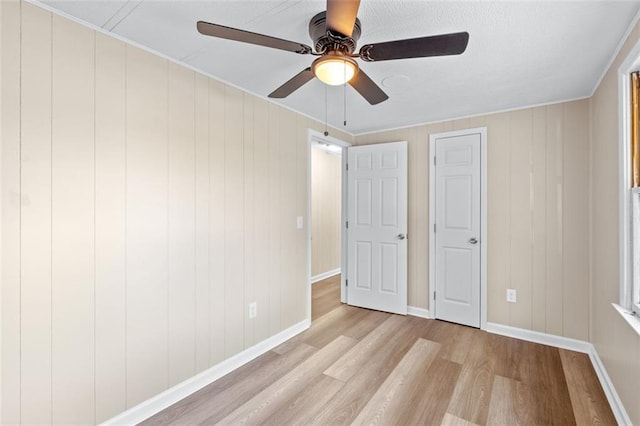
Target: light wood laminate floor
{"type": "Point", "coordinates": [325, 296]}
{"type": "Point", "coordinates": [356, 366]}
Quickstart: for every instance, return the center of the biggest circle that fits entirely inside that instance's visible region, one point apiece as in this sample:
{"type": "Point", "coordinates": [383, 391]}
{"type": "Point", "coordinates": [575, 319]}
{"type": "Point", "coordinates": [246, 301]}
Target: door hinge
{"type": "Point", "coordinates": [434, 227]}
{"type": "Point", "coordinates": [347, 166]}
{"type": "Point", "coordinates": [434, 160]}
{"type": "Point", "coordinates": [346, 283]}
{"type": "Point", "coordinates": [434, 295]}
{"type": "Point", "coordinates": [347, 224]}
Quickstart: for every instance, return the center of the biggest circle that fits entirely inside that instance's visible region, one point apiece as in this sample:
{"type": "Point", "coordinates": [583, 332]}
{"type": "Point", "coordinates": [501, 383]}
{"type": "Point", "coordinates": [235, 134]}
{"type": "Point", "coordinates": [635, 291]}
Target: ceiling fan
{"type": "Point", "coordinates": [335, 33]}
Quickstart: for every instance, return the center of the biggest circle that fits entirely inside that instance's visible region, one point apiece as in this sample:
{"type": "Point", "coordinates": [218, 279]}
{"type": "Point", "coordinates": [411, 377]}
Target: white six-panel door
{"type": "Point", "coordinates": [458, 228]}
{"type": "Point", "coordinates": [377, 227]}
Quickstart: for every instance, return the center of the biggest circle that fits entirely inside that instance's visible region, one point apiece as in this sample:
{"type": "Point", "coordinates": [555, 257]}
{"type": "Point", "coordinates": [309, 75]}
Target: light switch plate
{"type": "Point", "coordinates": [299, 222]}
{"type": "Point", "coordinates": [511, 295]}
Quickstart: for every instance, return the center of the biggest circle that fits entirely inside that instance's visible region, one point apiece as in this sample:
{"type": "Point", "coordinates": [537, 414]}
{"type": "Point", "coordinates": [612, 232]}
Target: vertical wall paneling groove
{"type": "Point", "coordinates": [234, 216]}
{"type": "Point", "coordinates": [273, 223]}
{"type": "Point", "coordinates": [288, 215]}
{"type": "Point", "coordinates": [217, 218]}
{"type": "Point", "coordinates": [10, 63]}
{"type": "Point", "coordinates": [110, 218]}
{"type": "Point", "coordinates": [261, 215]}
{"type": "Point", "coordinates": [202, 213]}
{"type": "Point", "coordinates": [248, 220]}
{"type": "Point", "coordinates": [499, 217]}
{"type": "Point", "coordinates": [576, 221]}
{"type": "Point", "coordinates": [147, 298]}
{"type": "Point", "coordinates": [520, 232]}
{"type": "Point", "coordinates": [181, 215]}
{"type": "Point", "coordinates": [35, 256]}
{"type": "Point", "coordinates": [539, 222]}
{"type": "Point", "coordinates": [72, 221]}
{"type": "Point", "coordinates": [554, 237]}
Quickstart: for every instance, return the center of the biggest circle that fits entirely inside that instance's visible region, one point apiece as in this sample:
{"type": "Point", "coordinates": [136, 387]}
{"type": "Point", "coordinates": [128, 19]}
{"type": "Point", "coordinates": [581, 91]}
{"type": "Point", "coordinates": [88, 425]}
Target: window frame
{"type": "Point", "coordinates": [628, 289]}
{"type": "Point", "coordinates": [634, 195]}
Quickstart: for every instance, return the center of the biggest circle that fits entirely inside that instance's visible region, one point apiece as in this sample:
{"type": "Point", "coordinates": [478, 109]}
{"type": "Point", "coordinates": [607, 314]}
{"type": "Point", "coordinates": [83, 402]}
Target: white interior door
{"type": "Point", "coordinates": [377, 227]}
{"type": "Point", "coordinates": [457, 228]}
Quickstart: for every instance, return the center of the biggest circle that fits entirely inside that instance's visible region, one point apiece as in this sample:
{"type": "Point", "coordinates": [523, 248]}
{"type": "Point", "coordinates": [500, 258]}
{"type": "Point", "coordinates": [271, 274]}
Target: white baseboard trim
{"type": "Point", "coordinates": [154, 405]}
{"type": "Point", "coordinates": [538, 337]}
{"type": "Point", "coordinates": [324, 275]}
{"type": "Point", "coordinates": [612, 396]}
{"type": "Point", "coordinates": [418, 312]}
{"type": "Point", "coordinates": [575, 345]}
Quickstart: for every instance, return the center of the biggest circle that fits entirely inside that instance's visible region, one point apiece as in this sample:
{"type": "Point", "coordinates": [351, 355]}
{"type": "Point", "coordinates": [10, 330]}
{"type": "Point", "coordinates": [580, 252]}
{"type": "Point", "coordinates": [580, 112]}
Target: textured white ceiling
{"type": "Point", "coordinates": [520, 53]}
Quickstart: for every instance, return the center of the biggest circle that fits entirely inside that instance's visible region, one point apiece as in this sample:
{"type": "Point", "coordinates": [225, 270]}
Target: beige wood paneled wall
{"type": "Point", "coordinates": [617, 344]}
{"type": "Point", "coordinates": [538, 202]}
{"type": "Point", "coordinates": [144, 206]}
{"type": "Point", "coordinates": [326, 209]}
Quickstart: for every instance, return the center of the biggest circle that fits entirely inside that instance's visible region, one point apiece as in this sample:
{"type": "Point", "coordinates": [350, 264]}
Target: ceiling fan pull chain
{"type": "Point", "coordinates": [344, 94]}
{"type": "Point", "coordinates": [326, 131]}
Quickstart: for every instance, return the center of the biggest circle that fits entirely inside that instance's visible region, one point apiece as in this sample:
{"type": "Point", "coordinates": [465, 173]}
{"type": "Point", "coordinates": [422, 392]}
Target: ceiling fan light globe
{"type": "Point", "coordinates": [334, 71]}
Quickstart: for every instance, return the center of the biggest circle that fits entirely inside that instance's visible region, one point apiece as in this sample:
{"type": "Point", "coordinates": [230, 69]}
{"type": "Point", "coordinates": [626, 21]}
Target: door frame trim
{"type": "Point", "coordinates": [483, 218]}
{"type": "Point", "coordinates": [314, 136]}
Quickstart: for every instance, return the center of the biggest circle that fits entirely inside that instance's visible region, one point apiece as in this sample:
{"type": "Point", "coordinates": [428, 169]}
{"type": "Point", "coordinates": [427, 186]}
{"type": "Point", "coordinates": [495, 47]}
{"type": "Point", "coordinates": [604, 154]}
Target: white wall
{"type": "Point", "coordinates": [326, 210]}
{"type": "Point", "coordinates": [143, 207]}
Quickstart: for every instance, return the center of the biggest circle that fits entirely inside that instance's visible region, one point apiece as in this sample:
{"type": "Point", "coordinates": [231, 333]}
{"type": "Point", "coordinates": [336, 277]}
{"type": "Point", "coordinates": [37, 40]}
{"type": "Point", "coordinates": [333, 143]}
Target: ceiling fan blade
{"type": "Point", "coordinates": [293, 84]}
{"type": "Point", "coordinates": [220, 31]}
{"type": "Point", "coordinates": [368, 88]}
{"type": "Point", "coordinates": [439, 45]}
{"type": "Point", "coordinates": [341, 16]}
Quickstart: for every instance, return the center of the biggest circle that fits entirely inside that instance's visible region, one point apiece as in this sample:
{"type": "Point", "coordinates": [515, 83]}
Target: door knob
{"type": "Point", "coordinates": [473, 240]}
{"type": "Point", "coordinates": [401, 236]}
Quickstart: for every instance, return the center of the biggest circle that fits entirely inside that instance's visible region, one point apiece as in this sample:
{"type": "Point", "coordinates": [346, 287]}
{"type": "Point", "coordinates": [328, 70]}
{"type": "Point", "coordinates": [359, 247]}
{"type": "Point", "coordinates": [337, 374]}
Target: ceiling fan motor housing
{"type": "Point", "coordinates": [326, 41]}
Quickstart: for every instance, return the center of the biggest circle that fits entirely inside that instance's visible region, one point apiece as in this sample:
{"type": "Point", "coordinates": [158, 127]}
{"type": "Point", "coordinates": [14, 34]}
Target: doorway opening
{"type": "Point", "coordinates": [326, 230]}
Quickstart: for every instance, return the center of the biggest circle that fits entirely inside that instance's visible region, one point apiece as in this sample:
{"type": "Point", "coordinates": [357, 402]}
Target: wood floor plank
{"type": "Point", "coordinates": [345, 367]}
{"type": "Point", "coordinates": [455, 346]}
{"type": "Point", "coordinates": [302, 407]}
{"type": "Point", "coordinates": [510, 403]}
{"type": "Point", "coordinates": [326, 328]}
{"type": "Point", "coordinates": [369, 322]}
{"type": "Point", "coordinates": [428, 404]}
{"type": "Point", "coordinates": [326, 331]}
{"type": "Point", "coordinates": [587, 397]}
{"type": "Point", "coordinates": [326, 296]}
{"type": "Point", "coordinates": [227, 393]}
{"type": "Point", "coordinates": [360, 388]}
{"type": "Point", "coordinates": [275, 397]}
{"type": "Point", "coordinates": [451, 420]}
{"type": "Point", "coordinates": [472, 394]}
{"type": "Point", "coordinates": [549, 392]}
{"type": "Point", "coordinates": [388, 403]}
{"type": "Point", "coordinates": [510, 355]}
